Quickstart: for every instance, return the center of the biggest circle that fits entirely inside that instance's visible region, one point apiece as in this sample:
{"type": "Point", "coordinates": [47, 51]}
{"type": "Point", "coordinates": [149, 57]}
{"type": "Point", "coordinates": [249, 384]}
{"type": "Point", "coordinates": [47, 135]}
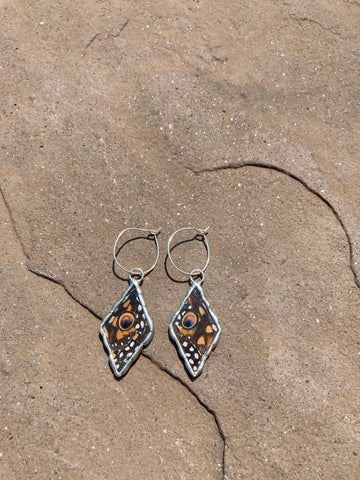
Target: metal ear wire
{"type": "Point", "coordinates": [138, 272]}
{"type": "Point", "coordinates": [197, 272]}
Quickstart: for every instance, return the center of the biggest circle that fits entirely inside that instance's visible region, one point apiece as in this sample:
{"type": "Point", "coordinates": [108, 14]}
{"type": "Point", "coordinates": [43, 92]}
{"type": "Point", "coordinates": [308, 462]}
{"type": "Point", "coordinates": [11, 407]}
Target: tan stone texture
{"type": "Point", "coordinates": [239, 115]}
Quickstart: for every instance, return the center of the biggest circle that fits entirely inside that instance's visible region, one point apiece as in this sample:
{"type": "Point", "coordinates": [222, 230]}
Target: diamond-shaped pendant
{"type": "Point", "coordinates": [195, 330]}
{"type": "Point", "coordinates": [127, 329]}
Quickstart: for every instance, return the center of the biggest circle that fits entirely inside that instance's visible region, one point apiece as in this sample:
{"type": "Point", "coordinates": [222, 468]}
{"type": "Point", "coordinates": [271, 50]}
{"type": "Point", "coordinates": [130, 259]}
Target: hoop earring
{"type": "Point", "coordinates": [128, 327]}
{"type": "Point", "coordinates": [194, 328]}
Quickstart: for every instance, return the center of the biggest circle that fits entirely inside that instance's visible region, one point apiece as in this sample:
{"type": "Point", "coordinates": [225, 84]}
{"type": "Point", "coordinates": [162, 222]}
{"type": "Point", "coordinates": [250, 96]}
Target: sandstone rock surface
{"type": "Point", "coordinates": [242, 116]}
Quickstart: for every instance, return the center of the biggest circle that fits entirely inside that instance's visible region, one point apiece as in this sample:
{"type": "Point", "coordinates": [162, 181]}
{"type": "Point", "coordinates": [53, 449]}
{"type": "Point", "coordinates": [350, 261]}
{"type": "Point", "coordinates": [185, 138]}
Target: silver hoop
{"type": "Point", "coordinates": [138, 272]}
{"type": "Point", "coordinates": [197, 272]}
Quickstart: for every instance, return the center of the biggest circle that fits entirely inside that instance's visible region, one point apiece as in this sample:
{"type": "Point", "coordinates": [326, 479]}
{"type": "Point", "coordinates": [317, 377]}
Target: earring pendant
{"type": "Point", "coordinates": [128, 327]}
{"type": "Point", "coordinates": [195, 330]}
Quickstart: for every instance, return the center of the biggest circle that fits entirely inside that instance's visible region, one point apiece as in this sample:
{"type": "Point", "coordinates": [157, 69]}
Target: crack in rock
{"type": "Point", "coordinates": [211, 412]}
{"type": "Point", "coordinates": [53, 279]}
{"type": "Point", "coordinates": [7, 206]}
{"type": "Point", "coordinates": [201, 402]}
{"type": "Point", "coordinates": [329, 204]}
{"type": "Point", "coordinates": [114, 34]}
{"type": "Point", "coordinates": [300, 17]}
{"type": "Point", "coordinates": [91, 40]}
{"type": "Point", "coordinates": [236, 140]}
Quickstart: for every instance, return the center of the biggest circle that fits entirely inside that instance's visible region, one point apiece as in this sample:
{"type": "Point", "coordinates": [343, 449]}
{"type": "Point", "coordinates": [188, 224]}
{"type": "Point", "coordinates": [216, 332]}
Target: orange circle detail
{"type": "Point", "coordinates": [189, 320]}
{"type": "Point", "coordinates": [126, 321]}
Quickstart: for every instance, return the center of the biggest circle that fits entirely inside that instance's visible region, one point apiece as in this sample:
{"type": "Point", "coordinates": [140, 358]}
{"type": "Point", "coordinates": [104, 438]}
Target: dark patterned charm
{"type": "Point", "coordinates": [195, 330]}
{"type": "Point", "coordinates": [127, 329]}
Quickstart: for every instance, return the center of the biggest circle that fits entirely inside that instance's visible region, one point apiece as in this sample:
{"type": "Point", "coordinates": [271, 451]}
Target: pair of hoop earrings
{"type": "Point", "coordinates": [128, 327]}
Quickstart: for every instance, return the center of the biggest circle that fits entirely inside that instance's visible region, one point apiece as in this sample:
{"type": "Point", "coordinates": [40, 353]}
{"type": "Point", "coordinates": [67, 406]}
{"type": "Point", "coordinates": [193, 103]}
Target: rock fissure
{"type": "Point", "coordinates": [7, 206]}
{"type": "Point", "coordinates": [92, 39]}
{"type": "Point", "coordinates": [310, 189]}
{"type": "Point", "coordinates": [211, 412]}
{"type": "Point", "coordinates": [49, 277]}
{"type": "Point", "coordinates": [299, 17]}
{"type": "Point", "coordinates": [201, 402]}
{"type": "Point", "coordinates": [52, 279]}
{"type": "Point", "coordinates": [113, 34]}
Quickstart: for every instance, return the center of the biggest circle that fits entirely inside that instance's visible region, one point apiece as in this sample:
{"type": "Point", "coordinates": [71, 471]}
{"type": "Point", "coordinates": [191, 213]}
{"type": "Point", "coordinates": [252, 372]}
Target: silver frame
{"type": "Point", "coordinates": [145, 342]}
{"type": "Point", "coordinates": [178, 344]}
